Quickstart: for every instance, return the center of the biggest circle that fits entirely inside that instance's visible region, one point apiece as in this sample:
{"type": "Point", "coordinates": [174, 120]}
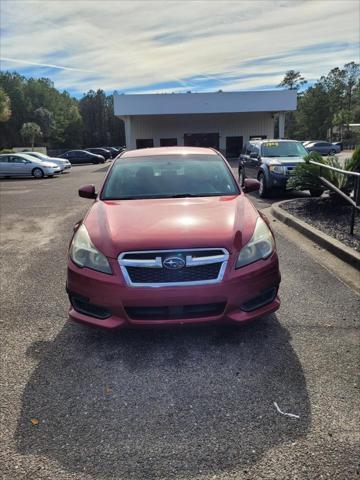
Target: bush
{"type": "Point", "coordinates": [7, 150]}
{"type": "Point", "coordinates": [353, 164]}
{"type": "Point", "coordinates": [306, 175]}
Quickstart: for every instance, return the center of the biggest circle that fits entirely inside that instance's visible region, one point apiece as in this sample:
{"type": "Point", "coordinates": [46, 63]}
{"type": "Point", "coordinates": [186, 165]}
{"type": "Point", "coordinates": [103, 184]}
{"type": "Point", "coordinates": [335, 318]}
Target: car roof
{"type": "Point", "coordinates": [30, 153]}
{"type": "Point", "coordinates": [148, 152]}
{"type": "Point", "coordinates": [23, 155]}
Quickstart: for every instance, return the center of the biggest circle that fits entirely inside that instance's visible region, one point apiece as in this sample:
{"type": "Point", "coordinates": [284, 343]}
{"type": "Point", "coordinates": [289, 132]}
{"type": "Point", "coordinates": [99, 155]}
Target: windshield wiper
{"type": "Point", "coordinates": [182, 195]}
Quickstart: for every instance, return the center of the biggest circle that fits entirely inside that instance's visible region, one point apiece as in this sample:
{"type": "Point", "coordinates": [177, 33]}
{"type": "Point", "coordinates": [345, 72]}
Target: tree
{"type": "Point", "coordinates": [93, 111]}
{"type": "Point", "coordinates": [45, 119]}
{"type": "Point", "coordinates": [101, 126]}
{"type": "Point", "coordinates": [30, 131]}
{"type": "Point", "coordinates": [13, 86]}
{"type": "Point", "coordinates": [293, 80]}
{"type": "Point", "coordinates": [5, 106]}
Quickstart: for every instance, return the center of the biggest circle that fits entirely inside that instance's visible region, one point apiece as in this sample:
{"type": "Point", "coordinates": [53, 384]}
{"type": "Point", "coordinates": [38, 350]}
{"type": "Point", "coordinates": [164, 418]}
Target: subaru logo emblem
{"type": "Point", "coordinates": [174, 263]}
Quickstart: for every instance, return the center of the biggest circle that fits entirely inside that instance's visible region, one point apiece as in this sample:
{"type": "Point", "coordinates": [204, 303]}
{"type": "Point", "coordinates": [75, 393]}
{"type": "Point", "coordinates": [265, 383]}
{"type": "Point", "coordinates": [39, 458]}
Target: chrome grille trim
{"type": "Point", "coordinates": [190, 260]}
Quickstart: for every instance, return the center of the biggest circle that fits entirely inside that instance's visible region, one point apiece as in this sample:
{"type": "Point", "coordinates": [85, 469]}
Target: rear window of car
{"type": "Point", "coordinates": [169, 176]}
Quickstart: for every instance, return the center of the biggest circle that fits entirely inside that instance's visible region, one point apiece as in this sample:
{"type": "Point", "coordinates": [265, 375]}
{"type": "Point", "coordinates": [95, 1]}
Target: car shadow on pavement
{"type": "Point", "coordinates": [151, 404]}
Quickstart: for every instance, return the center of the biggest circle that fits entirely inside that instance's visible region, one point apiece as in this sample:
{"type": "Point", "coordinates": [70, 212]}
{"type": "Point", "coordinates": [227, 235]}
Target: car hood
{"type": "Point", "coordinates": [126, 225]}
{"type": "Point", "coordinates": [283, 160]}
{"type": "Point", "coordinates": [57, 159]}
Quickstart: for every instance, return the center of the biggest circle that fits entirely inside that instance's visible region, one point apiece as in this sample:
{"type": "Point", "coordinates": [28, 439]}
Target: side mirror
{"type": "Point", "coordinates": [254, 155]}
{"type": "Point", "coordinates": [251, 185]}
{"type": "Point", "coordinates": [88, 191]}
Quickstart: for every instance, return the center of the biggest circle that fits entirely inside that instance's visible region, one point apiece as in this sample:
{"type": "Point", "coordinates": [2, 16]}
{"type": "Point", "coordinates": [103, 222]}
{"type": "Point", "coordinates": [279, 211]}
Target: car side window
{"type": "Point", "coordinates": [16, 160]}
{"type": "Point", "coordinates": [4, 159]}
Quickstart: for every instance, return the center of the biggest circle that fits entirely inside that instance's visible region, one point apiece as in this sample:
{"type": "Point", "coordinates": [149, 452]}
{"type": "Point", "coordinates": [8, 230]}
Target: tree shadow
{"type": "Point", "coordinates": [153, 404]}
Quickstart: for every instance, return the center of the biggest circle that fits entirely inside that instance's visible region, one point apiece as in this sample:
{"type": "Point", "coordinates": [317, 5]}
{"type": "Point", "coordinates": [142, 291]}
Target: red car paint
{"type": "Point", "coordinates": [117, 226]}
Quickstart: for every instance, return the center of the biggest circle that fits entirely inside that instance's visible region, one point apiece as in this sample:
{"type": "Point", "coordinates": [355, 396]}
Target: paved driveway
{"type": "Point", "coordinates": [182, 403]}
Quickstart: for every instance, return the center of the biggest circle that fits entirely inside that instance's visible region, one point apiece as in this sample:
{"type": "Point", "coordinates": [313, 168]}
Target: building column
{"type": "Point", "coordinates": [128, 133]}
{"type": "Point", "coordinates": [281, 124]}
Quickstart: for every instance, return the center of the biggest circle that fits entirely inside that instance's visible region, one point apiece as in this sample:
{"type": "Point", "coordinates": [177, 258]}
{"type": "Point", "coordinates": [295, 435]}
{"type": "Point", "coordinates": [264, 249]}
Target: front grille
{"type": "Point", "coordinates": [175, 312]}
{"type": "Point", "coordinates": [161, 275]}
{"type": "Point", "coordinates": [173, 267]}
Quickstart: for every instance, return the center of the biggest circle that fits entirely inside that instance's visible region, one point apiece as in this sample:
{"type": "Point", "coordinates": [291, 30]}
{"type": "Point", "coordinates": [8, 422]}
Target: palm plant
{"type": "Point", "coordinates": [306, 176]}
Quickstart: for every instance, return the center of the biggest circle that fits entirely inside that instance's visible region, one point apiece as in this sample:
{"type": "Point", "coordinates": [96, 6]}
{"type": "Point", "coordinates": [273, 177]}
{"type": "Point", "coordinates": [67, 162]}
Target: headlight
{"type": "Point", "coordinates": [260, 246]}
{"type": "Point", "coordinates": [84, 254]}
{"type": "Point", "coordinates": [277, 169]}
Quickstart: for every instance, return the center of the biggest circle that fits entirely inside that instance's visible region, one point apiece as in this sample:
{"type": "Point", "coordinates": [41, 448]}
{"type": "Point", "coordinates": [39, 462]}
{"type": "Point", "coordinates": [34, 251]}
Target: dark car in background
{"type": "Point", "coordinates": [114, 151]}
{"type": "Point", "coordinates": [82, 156]}
{"type": "Point", "coordinates": [322, 147]}
{"type": "Point", "coordinates": [104, 152]}
{"type": "Point", "coordinates": [271, 162]}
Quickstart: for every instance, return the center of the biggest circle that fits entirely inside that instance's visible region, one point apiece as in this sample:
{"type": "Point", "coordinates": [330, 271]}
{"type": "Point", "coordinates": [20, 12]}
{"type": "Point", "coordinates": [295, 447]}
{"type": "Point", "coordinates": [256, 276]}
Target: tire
{"type": "Point", "coordinates": [263, 190]}
{"type": "Point", "coordinates": [332, 152]}
{"type": "Point", "coordinates": [314, 192]}
{"type": "Point", "coordinates": [37, 173]}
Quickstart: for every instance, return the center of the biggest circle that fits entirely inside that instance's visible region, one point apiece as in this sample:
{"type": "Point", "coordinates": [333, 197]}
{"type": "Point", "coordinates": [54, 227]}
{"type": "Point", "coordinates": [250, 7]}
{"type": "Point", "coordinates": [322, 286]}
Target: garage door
{"type": "Point", "coordinates": [201, 140]}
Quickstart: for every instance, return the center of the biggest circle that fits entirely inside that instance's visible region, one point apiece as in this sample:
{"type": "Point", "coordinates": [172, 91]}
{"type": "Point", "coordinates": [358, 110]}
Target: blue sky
{"type": "Point", "coordinates": [165, 46]}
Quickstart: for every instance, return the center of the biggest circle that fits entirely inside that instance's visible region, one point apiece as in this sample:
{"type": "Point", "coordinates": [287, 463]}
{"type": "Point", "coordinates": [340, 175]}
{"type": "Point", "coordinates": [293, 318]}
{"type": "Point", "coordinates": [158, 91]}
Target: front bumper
{"type": "Point", "coordinates": [243, 295]}
{"type": "Point", "coordinates": [278, 180]}
{"type": "Point", "coordinates": [53, 171]}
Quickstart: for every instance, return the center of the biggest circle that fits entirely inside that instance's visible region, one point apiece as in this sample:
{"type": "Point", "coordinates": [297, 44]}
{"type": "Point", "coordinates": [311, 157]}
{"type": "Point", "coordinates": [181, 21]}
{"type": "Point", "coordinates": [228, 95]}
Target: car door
{"type": "Point", "coordinates": [82, 157]}
{"type": "Point", "coordinates": [4, 165]}
{"type": "Point", "coordinates": [72, 157]}
{"type": "Point", "coordinates": [322, 148]}
{"type": "Point", "coordinates": [18, 166]}
{"type": "Point", "coordinates": [327, 147]}
{"type": "Point", "coordinates": [252, 160]}
{"type": "Point", "coordinates": [255, 160]}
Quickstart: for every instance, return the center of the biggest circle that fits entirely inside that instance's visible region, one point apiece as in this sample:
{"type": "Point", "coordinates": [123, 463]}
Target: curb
{"type": "Point", "coordinates": [337, 248]}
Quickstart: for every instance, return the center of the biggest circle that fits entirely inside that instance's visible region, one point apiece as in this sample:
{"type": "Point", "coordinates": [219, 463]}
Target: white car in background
{"type": "Point", "coordinates": [65, 165]}
{"type": "Point", "coordinates": [23, 165]}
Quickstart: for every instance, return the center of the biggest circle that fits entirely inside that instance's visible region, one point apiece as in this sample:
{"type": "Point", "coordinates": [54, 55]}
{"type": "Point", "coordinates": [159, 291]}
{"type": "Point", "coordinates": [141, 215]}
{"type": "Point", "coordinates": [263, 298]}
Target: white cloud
{"type": "Point", "coordinates": [129, 45]}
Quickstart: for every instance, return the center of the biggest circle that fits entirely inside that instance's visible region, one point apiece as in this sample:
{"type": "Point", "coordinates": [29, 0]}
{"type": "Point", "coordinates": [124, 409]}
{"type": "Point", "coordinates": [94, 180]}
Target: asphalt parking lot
{"type": "Point", "coordinates": [179, 403]}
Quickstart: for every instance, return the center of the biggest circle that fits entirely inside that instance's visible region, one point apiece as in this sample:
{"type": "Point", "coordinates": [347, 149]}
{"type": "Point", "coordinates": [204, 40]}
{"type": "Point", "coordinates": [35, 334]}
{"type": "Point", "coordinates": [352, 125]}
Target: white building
{"type": "Point", "coordinates": [225, 121]}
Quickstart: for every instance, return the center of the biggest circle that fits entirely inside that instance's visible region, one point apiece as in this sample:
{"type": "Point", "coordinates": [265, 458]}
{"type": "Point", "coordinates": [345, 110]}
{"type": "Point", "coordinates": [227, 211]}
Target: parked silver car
{"type": "Point", "coordinates": [65, 165]}
{"type": "Point", "coordinates": [325, 148]}
{"type": "Point", "coordinates": [22, 165]}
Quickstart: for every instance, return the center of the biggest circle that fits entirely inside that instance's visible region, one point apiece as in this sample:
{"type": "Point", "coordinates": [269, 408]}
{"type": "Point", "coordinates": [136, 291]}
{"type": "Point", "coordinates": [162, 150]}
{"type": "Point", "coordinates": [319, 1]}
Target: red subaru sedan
{"type": "Point", "coordinates": [171, 239]}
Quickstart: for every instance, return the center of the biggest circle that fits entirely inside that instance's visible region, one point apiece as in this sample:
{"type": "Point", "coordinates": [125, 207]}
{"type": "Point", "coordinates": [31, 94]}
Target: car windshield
{"type": "Point", "coordinates": [169, 176]}
{"type": "Point", "coordinates": [38, 155]}
{"type": "Point", "coordinates": [283, 149]}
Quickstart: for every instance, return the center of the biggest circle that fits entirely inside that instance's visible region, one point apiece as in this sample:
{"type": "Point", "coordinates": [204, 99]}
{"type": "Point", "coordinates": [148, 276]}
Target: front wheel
{"type": "Point", "coordinates": [263, 190]}
{"type": "Point", "coordinates": [332, 152]}
{"type": "Point", "coordinates": [38, 173]}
